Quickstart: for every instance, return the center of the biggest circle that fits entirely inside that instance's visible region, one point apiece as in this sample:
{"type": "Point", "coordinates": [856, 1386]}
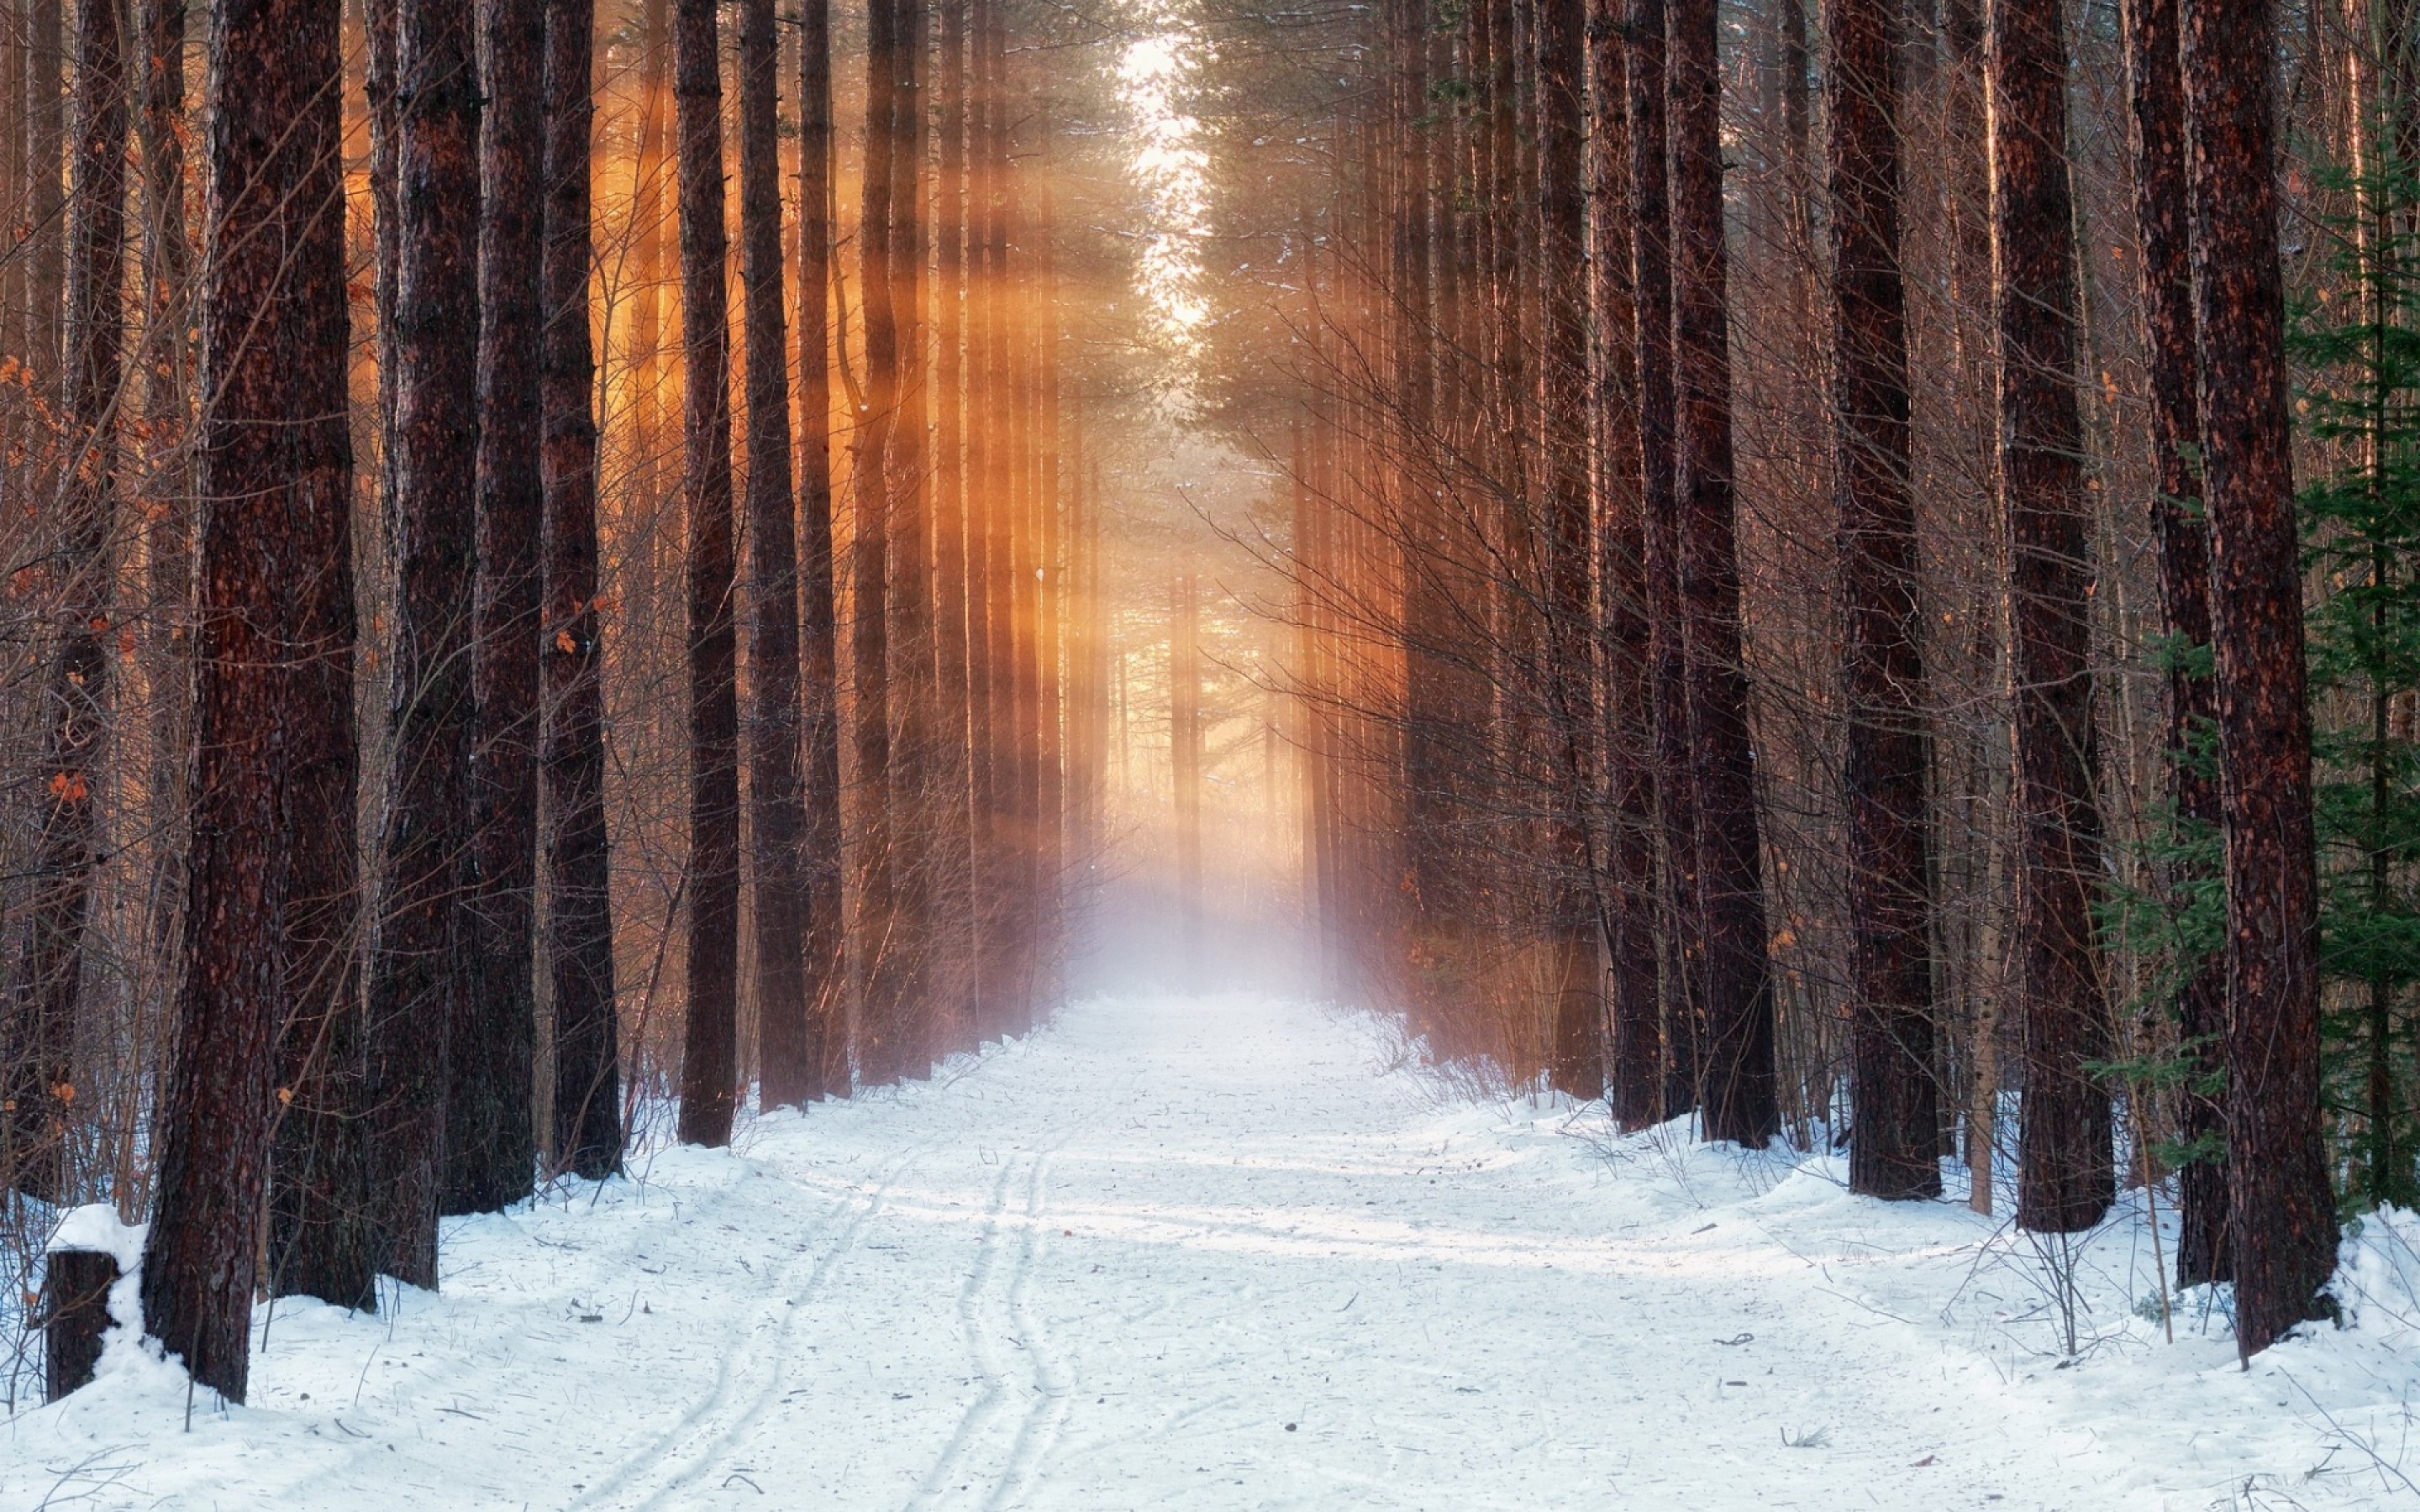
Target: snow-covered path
{"type": "Point", "coordinates": [1198, 1253]}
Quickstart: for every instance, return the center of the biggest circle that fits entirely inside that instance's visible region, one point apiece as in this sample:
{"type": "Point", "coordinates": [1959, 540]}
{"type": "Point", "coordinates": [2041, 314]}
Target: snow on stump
{"type": "Point", "coordinates": [84, 1258]}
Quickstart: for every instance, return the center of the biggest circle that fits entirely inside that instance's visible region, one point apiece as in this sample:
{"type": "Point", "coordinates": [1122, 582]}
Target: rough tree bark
{"type": "Point", "coordinates": [1635, 1051]}
{"type": "Point", "coordinates": [322, 1228]}
{"type": "Point", "coordinates": [2065, 1173]}
{"type": "Point", "coordinates": [1737, 1076]}
{"type": "Point", "coordinates": [2163, 206]}
{"type": "Point", "coordinates": [709, 1048]}
{"type": "Point", "coordinates": [869, 554]}
{"type": "Point", "coordinates": [1679, 900]}
{"type": "Point", "coordinates": [910, 965]}
{"type": "Point", "coordinates": [1578, 1065]}
{"type": "Point", "coordinates": [1894, 1146]}
{"type": "Point", "coordinates": [418, 963]}
{"type": "Point", "coordinates": [981, 509]}
{"type": "Point", "coordinates": [274, 477]}
{"type": "Point", "coordinates": [952, 776]}
{"type": "Point", "coordinates": [777, 793]}
{"type": "Point", "coordinates": [2282, 1214]}
{"type": "Point", "coordinates": [586, 1137]}
{"type": "Point", "coordinates": [822, 1053]}
{"type": "Point", "coordinates": [491, 1144]}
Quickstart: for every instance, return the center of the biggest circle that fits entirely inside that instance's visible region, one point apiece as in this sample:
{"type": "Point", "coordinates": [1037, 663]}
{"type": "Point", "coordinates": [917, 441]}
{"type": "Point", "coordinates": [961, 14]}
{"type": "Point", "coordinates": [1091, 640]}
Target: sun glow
{"type": "Point", "coordinates": [1154, 74]}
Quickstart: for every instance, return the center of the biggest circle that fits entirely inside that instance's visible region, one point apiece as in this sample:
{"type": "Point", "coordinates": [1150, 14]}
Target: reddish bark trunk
{"type": "Point", "coordinates": [1682, 937]}
{"type": "Point", "coordinates": [1634, 1061]}
{"type": "Point", "coordinates": [823, 1050]}
{"type": "Point", "coordinates": [1737, 1076]}
{"type": "Point", "coordinates": [709, 1046]}
{"type": "Point", "coordinates": [2162, 205]}
{"type": "Point", "coordinates": [777, 792]}
{"type": "Point", "coordinates": [2282, 1215]}
{"type": "Point", "coordinates": [274, 479]}
{"type": "Point", "coordinates": [1896, 1105]}
{"type": "Point", "coordinates": [587, 1100]}
{"type": "Point", "coordinates": [491, 1148]}
{"type": "Point", "coordinates": [419, 965]}
{"type": "Point", "coordinates": [2064, 1162]}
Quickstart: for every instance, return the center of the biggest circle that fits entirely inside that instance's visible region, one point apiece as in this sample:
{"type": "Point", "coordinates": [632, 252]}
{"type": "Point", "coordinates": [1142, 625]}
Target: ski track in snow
{"type": "Point", "coordinates": [1209, 1253]}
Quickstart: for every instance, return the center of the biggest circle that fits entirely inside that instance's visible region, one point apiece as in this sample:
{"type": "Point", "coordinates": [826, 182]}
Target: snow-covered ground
{"type": "Point", "coordinates": [1213, 1253]}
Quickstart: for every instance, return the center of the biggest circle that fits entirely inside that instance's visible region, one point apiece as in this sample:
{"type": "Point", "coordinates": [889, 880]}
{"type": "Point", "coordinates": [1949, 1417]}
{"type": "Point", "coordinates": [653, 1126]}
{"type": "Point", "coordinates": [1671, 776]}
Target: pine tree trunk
{"type": "Point", "coordinates": [824, 1049]}
{"type": "Point", "coordinates": [777, 793]}
{"type": "Point", "coordinates": [1578, 1066]}
{"type": "Point", "coordinates": [586, 1138]}
{"type": "Point", "coordinates": [323, 1228]}
{"type": "Point", "coordinates": [998, 918]}
{"type": "Point", "coordinates": [491, 1152]}
{"type": "Point", "coordinates": [1633, 1051]}
{"type": "Point", "coordinates": [2065, 1175]}
{"type": "Point", "coordinates": [1049, 755]}
{"type": "Point", "coordinates": [982, 511]}
{"type": "Point", "coordinates": [954, 856]}
{"type": "Point", "coordinates": [1738, 1069]}
{"type": "Point", "coordinates": [2282, 1214]}
{"type": "Point", "coordinates": [1895, 1143]}
{"type": "Point", "coordinates": [419, 965]}
{"type": "Point", "coordinates": [1680, 900]}
{"type": "Point", "coordinates": [2163, 206]}
{"type": "Point", "coordinates": [40, 1040]}
{"type": "Point", "coordinates": [869, 550]}
{"type": "Point", "coordinates": [167, 500]}
{"type": "Point", "coordinates": [709, 1047]}
{"type": "Point", "coordinates": [915, 703]}
{"type": "Point", "coordinates": [274, 467]}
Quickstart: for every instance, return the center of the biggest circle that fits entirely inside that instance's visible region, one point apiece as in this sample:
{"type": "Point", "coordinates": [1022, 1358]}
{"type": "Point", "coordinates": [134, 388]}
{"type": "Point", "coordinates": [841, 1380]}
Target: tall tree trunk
{"type": "Point", "coordinates": [777, 793]}
{"type": "Point", "coordinates": [1896, 1141]}
{"type": "Point", "coordinates": [1681, 901]}
{"type": "Point", "coordinates": [1433, 917]}
{"type": "Point", "coordinates": [167, 416]}
{"type": "Point", "coordinates": [982, 508]}
{"type": "Point", "coordinates": [869, 552]}
{"type": "Point", "coordinates": [995, 716]}
{"type": "Point", "coordinates": [419, 963]}
{"type": "Point", "coordinates": [1563, 375]}
{"type": "Point", "coordinates": [2064, 1180]}
{"type": "Point", "coordinates": [1635, 1052]}
{"type": "Point", "coordinates": [954, 856]}
{"type": "Point", "coordinates": [1049, 582]}
{"type": "Point", "coordinates": [587, 1101]}
{"type": "Point", "coordinates": [823, 1050]}
{"type": "Point", "coordinates": [915, 708]}
{"type": "Point", "coordinates": [2282, 1215]}
{"type": "Point", "coordinates": [323, 1232]}
{"type": "Point", "coordinates": [41, 1038]}
{"type": "Point", "coordinates": [1738, 1071]}
{"type": "Point", "coordinates": [491, 1148]}
{"type": "Point", "coordinates": [644, 508]}
{"type": "Point", "coordinates": [275, 473]}
{"type": "Point", "coordinates": [2162, 205]}
{"type": "Point", "coordinates": [709, 1049]}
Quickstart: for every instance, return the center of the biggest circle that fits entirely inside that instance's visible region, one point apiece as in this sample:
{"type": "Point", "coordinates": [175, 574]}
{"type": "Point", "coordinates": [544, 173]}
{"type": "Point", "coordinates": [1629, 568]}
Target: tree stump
{"type": "Point", "coordinates": [75, 1313]}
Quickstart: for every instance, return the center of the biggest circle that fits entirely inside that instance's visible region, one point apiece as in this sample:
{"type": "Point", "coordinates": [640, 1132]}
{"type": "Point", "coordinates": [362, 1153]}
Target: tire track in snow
{"type": "Point", "coordinates": [1054, 1382]}
{"type": "Point", "coordinates": [983, 1347]}
{"type": "Point", "coordinates": [693, 1445]}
